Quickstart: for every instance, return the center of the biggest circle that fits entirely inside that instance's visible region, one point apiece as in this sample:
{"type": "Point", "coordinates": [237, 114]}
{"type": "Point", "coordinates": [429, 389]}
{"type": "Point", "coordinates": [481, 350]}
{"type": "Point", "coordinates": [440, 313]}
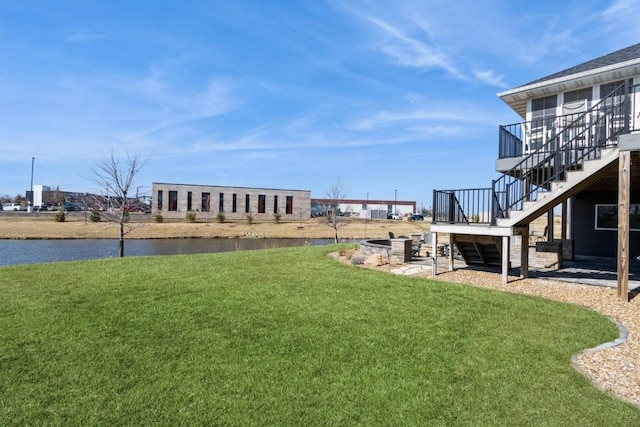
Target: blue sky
{"type": "Point", "coordinates": [378, 95]}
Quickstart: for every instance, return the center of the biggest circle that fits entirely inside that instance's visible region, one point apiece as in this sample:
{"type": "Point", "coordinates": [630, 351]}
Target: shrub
{"type": "Point", "coordinates": [277, 217]}
{"type": "Point", "coordinates": [94, 216]}
{"type": "Point", "coordinates": [221, 217]}
{"type": "Point", "coordinates": [190, 216]}
{"type": "Point", "coordinates": [249, 218]}
{"type": "Point", "coordinates": [357, 260]}
{"type": "Point", "coordinates": [60, 216]}
{"type": "Point", "coordinates": [158, 218]}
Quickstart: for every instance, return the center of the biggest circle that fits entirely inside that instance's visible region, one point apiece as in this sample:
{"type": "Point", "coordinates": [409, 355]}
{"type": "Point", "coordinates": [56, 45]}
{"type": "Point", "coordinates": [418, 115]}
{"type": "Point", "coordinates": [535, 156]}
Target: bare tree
{"type": "Point", "coordinates": [115, 177]}
{"type": "Point", "coordinates": [331, 208]}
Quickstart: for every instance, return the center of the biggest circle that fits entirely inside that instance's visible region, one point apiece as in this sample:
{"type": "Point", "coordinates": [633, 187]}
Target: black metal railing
{"type": "Point", "coordinates": [552, 146]}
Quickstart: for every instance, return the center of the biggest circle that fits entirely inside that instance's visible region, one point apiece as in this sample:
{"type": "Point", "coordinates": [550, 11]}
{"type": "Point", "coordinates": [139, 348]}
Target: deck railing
{"type": "Point", "coordinates": [551, 147]}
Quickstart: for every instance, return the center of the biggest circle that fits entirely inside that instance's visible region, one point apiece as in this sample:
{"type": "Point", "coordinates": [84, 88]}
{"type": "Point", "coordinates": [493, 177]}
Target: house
{"type": "Point", "coordinates": [175, 200]}
{"type": "Point", "coordinates": [576, 151]}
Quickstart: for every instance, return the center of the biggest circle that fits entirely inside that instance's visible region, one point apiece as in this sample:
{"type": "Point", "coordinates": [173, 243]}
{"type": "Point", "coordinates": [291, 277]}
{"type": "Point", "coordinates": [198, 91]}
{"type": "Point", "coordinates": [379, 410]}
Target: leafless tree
{"type": "Point", "coordinates": [331, 208]}
{"type": "Point", "coordinates": [115, 177]}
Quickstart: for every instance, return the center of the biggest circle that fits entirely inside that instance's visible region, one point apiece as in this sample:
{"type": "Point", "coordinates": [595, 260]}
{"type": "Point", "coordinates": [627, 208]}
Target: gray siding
{"type": "Point", "coordinates": [603, 243]}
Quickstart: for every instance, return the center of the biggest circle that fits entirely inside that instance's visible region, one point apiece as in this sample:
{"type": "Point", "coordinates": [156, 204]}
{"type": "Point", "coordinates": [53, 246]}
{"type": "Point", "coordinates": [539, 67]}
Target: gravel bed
{"type": "Point", "coordinates": [616, 368]}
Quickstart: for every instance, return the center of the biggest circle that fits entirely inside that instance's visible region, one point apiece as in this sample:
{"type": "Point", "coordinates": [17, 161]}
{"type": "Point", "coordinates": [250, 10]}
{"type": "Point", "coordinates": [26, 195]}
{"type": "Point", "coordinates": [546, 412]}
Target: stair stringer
{"type": "Point", "coordinates": [575, 181]}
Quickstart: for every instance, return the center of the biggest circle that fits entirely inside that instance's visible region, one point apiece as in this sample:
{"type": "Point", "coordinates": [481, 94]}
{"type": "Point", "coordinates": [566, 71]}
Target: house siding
{"type": "Point", "coordinates": [592, 242]}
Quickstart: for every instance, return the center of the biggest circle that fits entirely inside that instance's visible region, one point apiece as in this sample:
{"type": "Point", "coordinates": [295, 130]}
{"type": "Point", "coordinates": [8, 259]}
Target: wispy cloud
{"type": "Point", "coordinates": [489, 77]}
{"type": "Point", "coordinates": [83, 35]}
{"type": "Point", "coordinates": [406, 50]}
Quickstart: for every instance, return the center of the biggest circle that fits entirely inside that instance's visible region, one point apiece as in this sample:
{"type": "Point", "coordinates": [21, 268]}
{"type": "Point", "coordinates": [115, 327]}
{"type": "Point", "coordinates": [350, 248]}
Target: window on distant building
{"type": "Point", "coordinates": [234, 203]}
{"type": "Point", "coordinates": [289, 205]}
{"type": "Point", "coordinates": [275, 204]}
{"type": "Point", "coordinates": [262, 201]}
{"type": "Point", "coordinates": [189, 200]}
{"type": "Point", "coordinates": [206, 202]}
{"type": "Point", "coordinates": [221, 203]}
{"type": "Point", "coordinates": [160, 194]}
{"type": "Point", "coordinates": [173, 200]}
{"type": "Point", "coordinates": [246, 204]}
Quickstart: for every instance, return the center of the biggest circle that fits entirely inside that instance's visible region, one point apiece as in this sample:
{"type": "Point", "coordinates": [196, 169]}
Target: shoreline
{"type": "Point", "coordinates": [42, 227]}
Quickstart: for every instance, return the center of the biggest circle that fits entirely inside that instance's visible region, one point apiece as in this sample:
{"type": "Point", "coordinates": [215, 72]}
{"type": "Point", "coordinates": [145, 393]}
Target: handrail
{"type": "Point", "coordinates": [575, 138]}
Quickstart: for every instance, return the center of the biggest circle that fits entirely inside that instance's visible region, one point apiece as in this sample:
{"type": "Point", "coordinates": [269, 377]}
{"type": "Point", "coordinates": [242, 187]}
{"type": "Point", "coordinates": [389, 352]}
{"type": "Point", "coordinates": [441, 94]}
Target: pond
{"type": "Point", "coordinates": [14, 252]}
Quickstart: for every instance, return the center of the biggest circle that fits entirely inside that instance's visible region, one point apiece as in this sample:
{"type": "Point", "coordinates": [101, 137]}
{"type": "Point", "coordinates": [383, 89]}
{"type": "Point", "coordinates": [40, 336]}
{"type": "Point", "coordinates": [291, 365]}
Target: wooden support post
{"type": "Point", "coordinates": [624, 189]}
{"type": "Point", "coordinates": [564, 223]}
{"type": "Point", "coordinates": [505, 259]}
{"type": "Point", "coordinates": [451, 245]}
{"type": "Point", "coordinates": [550, 223]}
{"type": "Point", "coordinates": [434, 254]}
{"type": "Point", "coordinates": [524, 254]}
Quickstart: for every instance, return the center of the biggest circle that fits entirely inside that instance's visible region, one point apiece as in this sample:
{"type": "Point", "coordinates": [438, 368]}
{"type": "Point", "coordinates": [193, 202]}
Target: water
{"type": "Point", "coordinates": [14, 252]}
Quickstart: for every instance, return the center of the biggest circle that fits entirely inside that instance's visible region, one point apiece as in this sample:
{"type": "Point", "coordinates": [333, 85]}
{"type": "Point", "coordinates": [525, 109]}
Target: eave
{"type": "Point", "coordinates": [517, 98]}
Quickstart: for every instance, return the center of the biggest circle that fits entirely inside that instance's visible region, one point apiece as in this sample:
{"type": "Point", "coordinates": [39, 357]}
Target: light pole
{"type": "Point", "coordinates": [31, 198]}
{"type": "Point", "coordinates": [395, 203]}
{"type": "Point", "coordinates": [366, 218]}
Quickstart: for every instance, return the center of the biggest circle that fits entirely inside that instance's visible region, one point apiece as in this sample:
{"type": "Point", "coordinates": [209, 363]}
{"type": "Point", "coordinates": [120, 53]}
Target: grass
{"type": "Point", "coordinates": [286, 337]}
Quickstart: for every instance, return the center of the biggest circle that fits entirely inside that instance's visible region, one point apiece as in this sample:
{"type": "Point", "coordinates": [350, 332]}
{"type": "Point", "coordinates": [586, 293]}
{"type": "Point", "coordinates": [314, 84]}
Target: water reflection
{"type": "Point", "coordinates": [36, 251]}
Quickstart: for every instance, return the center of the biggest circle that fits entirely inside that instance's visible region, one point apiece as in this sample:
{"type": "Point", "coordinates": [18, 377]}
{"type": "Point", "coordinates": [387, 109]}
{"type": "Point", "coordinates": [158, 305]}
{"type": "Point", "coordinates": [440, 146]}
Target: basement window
{"type": "Point", "coordinates": [606, 217]}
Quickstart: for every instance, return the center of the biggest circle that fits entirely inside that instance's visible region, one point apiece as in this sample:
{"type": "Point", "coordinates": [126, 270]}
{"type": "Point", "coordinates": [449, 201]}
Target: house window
{"type": "Point", "coordinates": [275, 204]}
{"type": "Point", "coordinates": [246, 204]}
{"type": "Point", "coordinates": [206, 202]}
{"type": "Point", "coordinates": [544, 106]}
{"type": "Point", "coordinates": [579, 95]}
{"type": "Point", "coordinates": [173, 200]}
{"type": "Point", "coordinates": [160, 194]}
{"type": "Point", "coordinates": [234, 203]}
{"type": "Point", "coordinates": [262, 201]}
{"type": "Point", "coordinates": [189, 200]}
{"type": "Point", "coordinates": [607, 89]}
{"type": "Point", "coordinates": [289, 205]}
{"type": "Point", "coordinates": [221, 203]}
{"type": "Point", "coordinates": [607, 217]}
{"type": "Point", "coordinates": [543, 116]}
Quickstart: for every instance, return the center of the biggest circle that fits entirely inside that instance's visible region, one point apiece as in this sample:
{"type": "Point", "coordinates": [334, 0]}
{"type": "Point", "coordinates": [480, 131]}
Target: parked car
{"type": "Point", "coordinates": [68, 206]}
{"type": "Point", "coordinates": [417, 217]}
{"type": "Point", "coordinates": [14, 207]}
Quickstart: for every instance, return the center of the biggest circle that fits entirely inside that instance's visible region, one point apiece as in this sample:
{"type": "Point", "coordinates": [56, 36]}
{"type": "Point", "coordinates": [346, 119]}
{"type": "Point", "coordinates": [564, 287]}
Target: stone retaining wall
{"type": "Point", "coordinates": [395, 251]}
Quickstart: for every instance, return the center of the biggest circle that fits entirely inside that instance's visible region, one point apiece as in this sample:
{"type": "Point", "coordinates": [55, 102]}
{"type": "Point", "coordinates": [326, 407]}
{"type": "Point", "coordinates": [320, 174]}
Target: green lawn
{"type": "Point", "coordinates": [286, 337]}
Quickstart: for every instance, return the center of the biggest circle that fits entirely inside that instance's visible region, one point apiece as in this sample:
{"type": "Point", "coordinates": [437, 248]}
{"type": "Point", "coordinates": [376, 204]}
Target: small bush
{"type": "Point", "coordinates": [277, 217]}
{"type": "Point", "coordinates": [94, 216]}
{"type": "Point", "coordinates": [190, 216]}
{"type": "Point", "coordinates": [357, 260]}
{"type": "Point", "coordinates": [60, 216]}
{"type": "Point", "coordinates": [342, 250]}
{"type": "Point", "coordinates": [221, 217]}
{"type": "Point", "coordinates": [158, 218]}
{"type": "Point", "coordinates": [249, 218]}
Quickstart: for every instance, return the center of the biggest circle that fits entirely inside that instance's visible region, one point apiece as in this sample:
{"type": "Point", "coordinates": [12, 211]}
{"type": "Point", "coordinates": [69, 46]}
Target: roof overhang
{"type": "Point", "coordinates": [517, 98]}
